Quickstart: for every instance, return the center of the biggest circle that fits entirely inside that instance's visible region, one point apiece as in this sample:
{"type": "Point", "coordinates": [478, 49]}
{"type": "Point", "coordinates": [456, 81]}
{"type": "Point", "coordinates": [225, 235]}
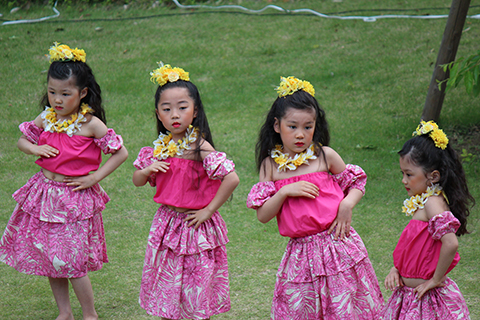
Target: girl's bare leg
{"type": "Point", "coordinates": [62, 298]}
{"type": "Point", "coordinates": [84, 292]}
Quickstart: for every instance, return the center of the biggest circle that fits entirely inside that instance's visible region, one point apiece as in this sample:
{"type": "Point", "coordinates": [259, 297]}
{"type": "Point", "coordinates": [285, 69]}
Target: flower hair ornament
{"type": "Point", "coordinates": [431, 128]}
{"type": "Point", "coordinates": [165, 73]}
{"type": "Point", "coordinates": [62, 52]}
{"type": "Point", "coordinates": [290, 85]}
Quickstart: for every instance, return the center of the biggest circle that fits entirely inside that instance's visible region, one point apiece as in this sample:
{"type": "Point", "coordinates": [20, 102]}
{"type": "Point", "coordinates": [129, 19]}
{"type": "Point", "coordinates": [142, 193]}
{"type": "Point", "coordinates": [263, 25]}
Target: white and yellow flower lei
{"type": "Point", "coordinates": [285, 162]}
{"type": "Point", "coordinates": [411, 205]}
{"type": "Point", "coordinates": [71, 126]}
{"type": "Point", "coordinates": [290, 85]}
{"type": "Point", "coordinates": [165, 73]}
{"type": "Point", "coordinates": [165, 146]}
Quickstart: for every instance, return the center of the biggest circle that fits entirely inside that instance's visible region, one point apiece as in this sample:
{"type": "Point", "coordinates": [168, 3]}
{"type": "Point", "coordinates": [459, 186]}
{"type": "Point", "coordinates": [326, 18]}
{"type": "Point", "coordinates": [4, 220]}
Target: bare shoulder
{"type": "Point", "coordinates": [435, 205]}
{"type": "Point", "coordinates": [39, 121]}
{"type": "Point", "coordinates": [266, 170]}
{"type": "Point", "coordinates": [335, 162]}
{"type": "Point", "coordinates": [94, 127]}
{"type": "Point", "coordinates": [205, 148]}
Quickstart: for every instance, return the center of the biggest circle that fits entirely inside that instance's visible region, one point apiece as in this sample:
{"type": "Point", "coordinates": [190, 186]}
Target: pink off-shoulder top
{"type": "Point", "coordinates": [78, 155]}
{"type": "Point", "coordinates": [418, 249]}
{"type": "Point", "coordinates": [187, 183]}
{"type": "Point", "coordinates": [301, 216]}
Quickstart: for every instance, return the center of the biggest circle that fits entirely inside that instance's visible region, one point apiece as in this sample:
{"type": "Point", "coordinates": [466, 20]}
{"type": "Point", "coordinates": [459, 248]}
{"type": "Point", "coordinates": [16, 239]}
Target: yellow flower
{"type": "Point", "coordinates": [290, 85]}
{"type": "Point", "coordinates": [439, 138]}
{"type": "Point", "coordinates": [172, 149]}
{"type": "Point", "coordinates": [166, 74]}
{"type": "Point", "coordinates": [64, 53]}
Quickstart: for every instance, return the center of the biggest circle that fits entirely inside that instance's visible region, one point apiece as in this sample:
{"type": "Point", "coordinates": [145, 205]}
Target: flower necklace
{"type": "Point", "coordinates": [68, 126]}
{"type": "Point", "coordinates": [165, 146]}
{"type": "Point", "coordinates": [410, 206]}
{"type": "Point", "coordinates": [285, 162]}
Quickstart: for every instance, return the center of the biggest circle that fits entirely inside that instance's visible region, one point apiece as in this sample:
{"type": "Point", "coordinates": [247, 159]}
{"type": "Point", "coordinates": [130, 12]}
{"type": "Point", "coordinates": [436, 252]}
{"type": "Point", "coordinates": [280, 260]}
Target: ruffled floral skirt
{"type": "Point", "coordinates": [320, 278]}
{"type": "Point", "coordinates": [185, 274]}
{"type": "Point", "coordinates": [55, 232]}
{"type": "Point", "coordinates": [445, 303]}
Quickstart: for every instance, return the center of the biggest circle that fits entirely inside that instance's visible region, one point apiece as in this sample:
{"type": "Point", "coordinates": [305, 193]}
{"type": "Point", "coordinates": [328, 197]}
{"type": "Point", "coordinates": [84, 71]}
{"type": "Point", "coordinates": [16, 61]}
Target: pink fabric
{"type": "Point", "coordinates": [300, 216]}
{"type": "Point", "coordinates": [260, 194]}
{"type": "Point", "coordinates": [353, 177]}
{"type": "Point", "coordinates": [185, 274]}
{"type": "Point", "coordinates": [195, 183]}
{"type": "Point", "coordinates": [78, 155]}
{"type": "Point", "coordinates": [30, 131]}
{"type": "Point", "coordinates": [320, 278]}
{"type": "Point", "coordinates": [54, 231]}
{"type": "Point", "coordinates": [446, 303]}
{"type": "Point", "coordinates": [417, 252]}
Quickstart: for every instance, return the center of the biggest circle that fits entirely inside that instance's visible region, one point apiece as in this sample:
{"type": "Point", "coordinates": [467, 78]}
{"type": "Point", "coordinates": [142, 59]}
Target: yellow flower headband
{"type": "Point", "coordinates": [290, 85]}
{"type": "Point", "coordinates": [166, 74]}
{"type": "Point", "coordinates": [63, 52]}
{"type": "Point", "coordinates": [431, 128]}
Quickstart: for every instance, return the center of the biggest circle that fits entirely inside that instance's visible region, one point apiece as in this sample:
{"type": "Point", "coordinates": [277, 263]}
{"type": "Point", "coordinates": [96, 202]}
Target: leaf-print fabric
{"type": "Point", "coordinates": [54, 231]}
{"type": "Point", "coordinates": [185, 274]}
{"type": "Point", "coordinates": [446, 303]}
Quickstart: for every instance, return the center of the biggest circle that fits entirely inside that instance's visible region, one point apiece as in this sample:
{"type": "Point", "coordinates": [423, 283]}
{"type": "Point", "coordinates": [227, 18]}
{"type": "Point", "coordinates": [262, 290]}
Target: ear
{"type": "Point", "coordinates": [158, 115]}
{"type": "Point", "coordinates": [276, 126]}
{"type": "Point", "coordinates": [195, 113]}
{"type": "Point", "coordinates": [83, 93]}
{"type": "Point", "coordinates": [434, 176]}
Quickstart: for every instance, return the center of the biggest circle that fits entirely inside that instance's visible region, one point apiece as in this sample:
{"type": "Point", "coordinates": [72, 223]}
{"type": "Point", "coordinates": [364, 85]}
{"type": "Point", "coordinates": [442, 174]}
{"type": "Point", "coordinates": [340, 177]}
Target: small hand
{"type": "Point", "coordinates": [82, 182]}
{"type": "Point", "coordinates": [427, 285]}
{"type": "Point", "coordinates": [342, 222]}
{"type": "Point", "coordinates": [197, 217]}
{"type": "Point", "coordinates": [44, 151]}
{"type": "Point", "coordinates": [301, 189]}
{"type": "Point", "coordinates": [393, 280]}
{"type": "Point", "coordinates": [157, 166]}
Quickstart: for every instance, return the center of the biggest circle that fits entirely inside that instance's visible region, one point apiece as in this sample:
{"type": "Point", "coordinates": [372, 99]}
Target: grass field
{"type": "Point", "coordinates": [370, 77]}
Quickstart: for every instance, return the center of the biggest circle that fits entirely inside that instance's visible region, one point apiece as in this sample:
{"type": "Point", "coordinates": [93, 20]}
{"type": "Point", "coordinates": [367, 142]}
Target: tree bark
{"type": "Point", "coordinates": [446, 54]}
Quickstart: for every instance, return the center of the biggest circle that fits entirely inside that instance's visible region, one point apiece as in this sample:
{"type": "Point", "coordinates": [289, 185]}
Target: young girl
{"type": "Point", "coordinates": [56, 229]}
{"type": "Point", "coordinates": [185, 274]}
{"type": "Point", "coordinates": [427, 249]}
{"type": "Point", "coordinates": [325, 272]}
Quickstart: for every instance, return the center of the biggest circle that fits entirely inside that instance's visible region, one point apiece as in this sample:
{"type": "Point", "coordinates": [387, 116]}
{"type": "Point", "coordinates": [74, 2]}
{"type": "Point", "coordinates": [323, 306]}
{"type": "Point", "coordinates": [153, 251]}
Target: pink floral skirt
{"type": "Point", "coordinates": [446, 303]}
{"type": "Point", "coordinates": [185, 274]}
{"type": "Point", "coordinates": [320, 278]}
{"type": "Point", "coordinates": [55, 232]}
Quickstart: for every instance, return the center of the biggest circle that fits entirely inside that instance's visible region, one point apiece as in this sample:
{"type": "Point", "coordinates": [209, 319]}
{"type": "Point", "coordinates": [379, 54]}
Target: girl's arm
{"type": "Point", "coordinates": [343, 221]}
{"type": "Point", "coordinates": [29, 147]}
{"type": "Point", "coordinates": [434, 206]}
{"type": "Point", "coordinates": [99, 130]}
{"type": "Point", "coordinates": [393, 279]}
{"type": "Point", "coordinates": [228, 185]}
{"type": "Point", "coordinates": [140, 177]}
{"type": "Point", "coordinates": [273, 205]}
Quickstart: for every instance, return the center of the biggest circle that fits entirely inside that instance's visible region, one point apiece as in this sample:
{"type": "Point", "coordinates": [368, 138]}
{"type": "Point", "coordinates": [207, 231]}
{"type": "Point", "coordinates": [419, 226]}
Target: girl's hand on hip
{"type": "Point", "coordinates": [82, 182]}
{"type": "Point", "coordinates": [197, 217]}
{"type": "Point", "coordinates": [342, 222]}
{"type": "Point", "coordinates": [427, 285]}
{"type": "Point", "coordinates": [393, 280]}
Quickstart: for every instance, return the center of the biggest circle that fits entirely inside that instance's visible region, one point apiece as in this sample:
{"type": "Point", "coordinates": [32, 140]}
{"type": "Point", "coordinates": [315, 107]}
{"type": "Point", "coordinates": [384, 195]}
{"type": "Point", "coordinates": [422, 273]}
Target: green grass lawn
{"type": "Point", "coordinates": [370, 77]}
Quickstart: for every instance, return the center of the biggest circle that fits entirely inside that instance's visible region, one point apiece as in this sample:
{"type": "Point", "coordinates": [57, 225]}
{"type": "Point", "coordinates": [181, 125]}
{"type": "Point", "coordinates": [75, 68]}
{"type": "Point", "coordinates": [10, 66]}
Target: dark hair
{"type": "Point", "coordinates": [200, 121]}
{"type": "Point", "coordinates": [84, 78]}
{"type": "Point", "coordinates": [422, 151]}
{"type": "Point", "coordinates": [301, 100]}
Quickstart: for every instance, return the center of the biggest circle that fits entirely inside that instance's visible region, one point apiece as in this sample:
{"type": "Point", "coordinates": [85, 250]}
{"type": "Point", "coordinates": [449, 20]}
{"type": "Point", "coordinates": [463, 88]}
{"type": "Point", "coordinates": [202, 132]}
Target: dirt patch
{"type": "Point", "coordinates": [466, 140]}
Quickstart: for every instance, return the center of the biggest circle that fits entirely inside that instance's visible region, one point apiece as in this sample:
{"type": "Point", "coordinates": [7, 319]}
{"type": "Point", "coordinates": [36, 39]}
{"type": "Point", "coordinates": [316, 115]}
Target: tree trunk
{"type": "Point", "coordinates": [446, 54]}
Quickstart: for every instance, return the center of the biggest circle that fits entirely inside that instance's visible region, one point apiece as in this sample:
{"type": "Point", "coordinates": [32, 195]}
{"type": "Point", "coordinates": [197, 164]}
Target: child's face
{"type": "Point", "coordinates": [296, 130]}
{"type": "Point", "coordinates": [64, 97]}
{"type": "Point", "coordinates": [414, 178]}
{"type": "Point", "coordinates": [176, 111]}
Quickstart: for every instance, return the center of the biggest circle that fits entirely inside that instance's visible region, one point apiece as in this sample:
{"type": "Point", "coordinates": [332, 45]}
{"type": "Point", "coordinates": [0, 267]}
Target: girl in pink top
{"type": "Point", "coordinates": [56, 229]}
{"type": "Point", "coordinates": [427, 249]}
{"type": "Point", "coordinates": [185, 274]}
{"type": "Point", "coordinates": [325, 272]}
